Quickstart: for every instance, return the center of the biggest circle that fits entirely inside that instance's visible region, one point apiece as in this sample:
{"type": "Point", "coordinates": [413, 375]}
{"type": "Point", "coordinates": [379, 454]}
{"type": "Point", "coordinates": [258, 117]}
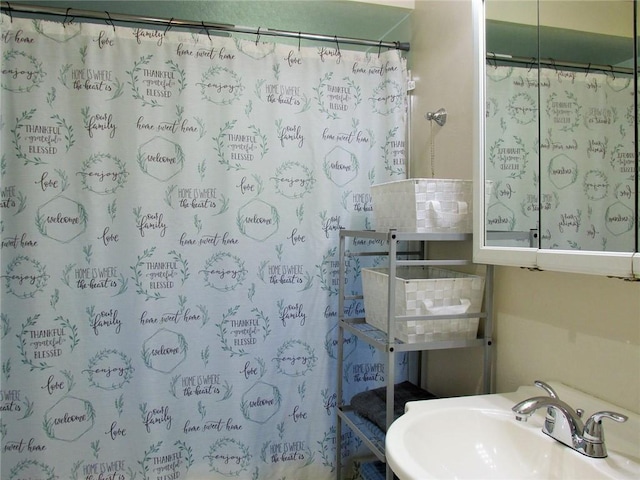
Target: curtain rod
{"type": "Point", "coordinates": [549, 62]}
{"type": "Point", "coordinates": [109, 18]}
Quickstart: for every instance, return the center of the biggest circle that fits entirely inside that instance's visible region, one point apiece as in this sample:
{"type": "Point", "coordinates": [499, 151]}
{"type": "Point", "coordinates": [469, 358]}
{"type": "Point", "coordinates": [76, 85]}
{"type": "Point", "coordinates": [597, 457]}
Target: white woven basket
{"type": "Point", "coordinates": [424, 291]}
{"type": "Point", "coordinates": [424, 205]}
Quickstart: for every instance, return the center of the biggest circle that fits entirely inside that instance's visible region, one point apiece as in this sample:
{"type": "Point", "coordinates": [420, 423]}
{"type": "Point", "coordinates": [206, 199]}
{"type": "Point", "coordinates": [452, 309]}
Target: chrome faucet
{"type": "Point", "coordinates": [564, 424]}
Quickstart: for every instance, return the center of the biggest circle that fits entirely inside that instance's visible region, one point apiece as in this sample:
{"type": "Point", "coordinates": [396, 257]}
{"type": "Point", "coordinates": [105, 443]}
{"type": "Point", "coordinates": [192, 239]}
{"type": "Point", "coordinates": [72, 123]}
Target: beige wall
{"type": "Point", "coordinates": [581, 330]}
{"type": "Point", "coordinates": [441, 56]}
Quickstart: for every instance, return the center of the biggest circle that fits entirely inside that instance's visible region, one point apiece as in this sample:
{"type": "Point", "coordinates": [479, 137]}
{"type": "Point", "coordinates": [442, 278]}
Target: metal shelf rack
{"type": "Point", "coordinates": [370, 434]}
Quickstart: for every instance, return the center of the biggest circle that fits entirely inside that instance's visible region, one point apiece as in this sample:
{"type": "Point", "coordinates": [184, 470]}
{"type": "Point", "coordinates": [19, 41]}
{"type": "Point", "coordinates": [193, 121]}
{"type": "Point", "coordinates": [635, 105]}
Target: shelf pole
{"type": "Point", "coordinates": [391, 337]}
{"type": "Point", "coordinates": [488, 331]}
{"type": "Point", "coordinates": [340, 356]}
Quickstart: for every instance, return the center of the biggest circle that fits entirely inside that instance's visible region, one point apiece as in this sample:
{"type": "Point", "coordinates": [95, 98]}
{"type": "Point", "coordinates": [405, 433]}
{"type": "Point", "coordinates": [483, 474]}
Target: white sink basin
{"type": "Point", "coordinates": [478, 438]}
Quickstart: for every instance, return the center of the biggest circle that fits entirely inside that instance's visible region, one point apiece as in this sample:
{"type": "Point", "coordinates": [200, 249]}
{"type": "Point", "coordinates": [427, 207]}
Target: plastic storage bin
{"type": "Point", "coordinates": [424, 205]}
{"type": "Point", "coordinates": [425, 291]}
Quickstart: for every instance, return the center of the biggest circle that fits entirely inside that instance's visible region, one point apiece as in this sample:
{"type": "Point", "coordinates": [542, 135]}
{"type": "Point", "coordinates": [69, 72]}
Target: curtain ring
{"type": "Point", "coordinates": [168, 26]}
{"type": "Point", "coordinates": [258, 36]}
{"type": "Point", "coordinates": [612, 72]}
{"type": "Point", "coordinates": [299, 38]}
{"type": "Point", "coordinates": [335, 37]}
{"type": "Point", "coordinates": [379, 48]}
{"type": "Point", "coordinates": [9, 11]}
{"type": "Point", "coordinates": [206, 30]}
{"type": "Point", "coordinates": [110, 21]}
{"type": "Point", "coordinates": [588, 70]}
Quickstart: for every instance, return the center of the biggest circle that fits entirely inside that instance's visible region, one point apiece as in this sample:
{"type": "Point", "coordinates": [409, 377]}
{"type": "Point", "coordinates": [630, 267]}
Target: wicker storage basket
{"type": "Point", "coordinates": [424, 291]}
{"type": "Point", "coordinates": [423, 205]}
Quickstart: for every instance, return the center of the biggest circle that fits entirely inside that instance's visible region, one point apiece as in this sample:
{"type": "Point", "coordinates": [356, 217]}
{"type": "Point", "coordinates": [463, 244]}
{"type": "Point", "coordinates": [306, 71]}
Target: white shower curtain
{"type": "Point", "coordinates": [580, 191]}
{"type": "Point", "coordinates": [171, 204]}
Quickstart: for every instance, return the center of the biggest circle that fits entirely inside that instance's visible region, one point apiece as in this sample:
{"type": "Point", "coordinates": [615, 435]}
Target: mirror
{"type": "Point", "coordinates": [558, 173]}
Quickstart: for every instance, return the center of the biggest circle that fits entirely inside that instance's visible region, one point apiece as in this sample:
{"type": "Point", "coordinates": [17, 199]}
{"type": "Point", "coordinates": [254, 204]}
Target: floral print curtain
{"type": "Point", "coordinates": [171, 203]}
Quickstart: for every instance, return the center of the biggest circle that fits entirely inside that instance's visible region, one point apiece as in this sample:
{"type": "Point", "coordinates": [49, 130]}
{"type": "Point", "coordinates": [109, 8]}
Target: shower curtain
{"type": "Point", "coordinates": [171, 203]}
{"type": "Point", "coordinates": [580, 191]}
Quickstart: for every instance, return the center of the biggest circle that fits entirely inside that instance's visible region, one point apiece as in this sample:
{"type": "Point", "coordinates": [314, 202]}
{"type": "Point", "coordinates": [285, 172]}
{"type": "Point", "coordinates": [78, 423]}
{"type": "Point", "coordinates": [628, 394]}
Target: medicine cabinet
{"type": "Point", "coordinates": [556, 173]}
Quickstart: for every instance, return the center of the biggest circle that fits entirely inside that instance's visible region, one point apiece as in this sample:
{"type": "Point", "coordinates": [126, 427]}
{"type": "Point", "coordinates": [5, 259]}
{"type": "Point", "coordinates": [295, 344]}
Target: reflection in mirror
{"type": "Point", "coordinates": [511, 131]}
{"type": "Point", "coordinates": [560, 159]}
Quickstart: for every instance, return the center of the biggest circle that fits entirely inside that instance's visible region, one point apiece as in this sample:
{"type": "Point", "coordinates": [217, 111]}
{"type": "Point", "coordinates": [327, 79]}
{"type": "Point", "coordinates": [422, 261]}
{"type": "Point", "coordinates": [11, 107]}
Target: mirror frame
{"type": "Point", "coordinates": [616, 264]}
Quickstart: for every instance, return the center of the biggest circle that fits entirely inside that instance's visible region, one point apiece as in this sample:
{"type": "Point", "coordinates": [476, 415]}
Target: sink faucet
{"type": "Point", "coordinates": [565, 424]}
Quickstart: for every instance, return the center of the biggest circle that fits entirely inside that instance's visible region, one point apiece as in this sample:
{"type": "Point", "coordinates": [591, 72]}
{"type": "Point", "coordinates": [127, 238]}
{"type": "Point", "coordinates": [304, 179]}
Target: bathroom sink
{"type": "Point", "coordinates": [477, 437]}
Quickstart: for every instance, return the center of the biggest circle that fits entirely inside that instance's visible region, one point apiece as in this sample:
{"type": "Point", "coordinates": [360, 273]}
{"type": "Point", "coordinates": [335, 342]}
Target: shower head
{"type": "Point", "coordinates": [439, 116]}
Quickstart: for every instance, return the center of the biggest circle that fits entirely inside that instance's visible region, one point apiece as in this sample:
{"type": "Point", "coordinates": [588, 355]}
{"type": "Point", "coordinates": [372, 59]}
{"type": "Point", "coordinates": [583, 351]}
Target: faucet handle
{"type": "Point", "coordinates": [593, 430]}
{"type": "Point", "coordinates": [547, 388]}
{"type": "Point", "coordinates": [593, 434]}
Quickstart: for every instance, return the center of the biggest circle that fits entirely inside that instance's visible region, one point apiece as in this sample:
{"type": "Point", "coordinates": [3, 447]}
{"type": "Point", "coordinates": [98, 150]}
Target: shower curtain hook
{"type": "Point", "coordinates": [66, 16]}
{"type": "Point", "coordinates": [335, 37]}
{"type": "Point", "coordinates": [110, 22]}
{"type": "Point", "coordinates": [168, 26]}
{"type": "Point", "coordinates": [299, 38]}
{"type": "Point", "coordinates": [206, 30]}
{"type": "Point", "coordinates": [588, 70]}
{"type": "Point", "coordinates": [532, 63]}
{"type": "Point", "coordinates": [9, 11]}
{"type": "Point", "coordinates": [613, 75]}
{"type": "Point", "coordinates": [495, 61]}
{"type": "Point", "coordinates": [379, 48]}
{"type": "Point", "coordinates": [257, 36]}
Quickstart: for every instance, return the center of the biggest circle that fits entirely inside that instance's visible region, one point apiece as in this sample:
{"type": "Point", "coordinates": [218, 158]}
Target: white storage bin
{"type": "Point", "coordinates": [425, 291]}
{"type": "Point", "coordinates": [423, 205]}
